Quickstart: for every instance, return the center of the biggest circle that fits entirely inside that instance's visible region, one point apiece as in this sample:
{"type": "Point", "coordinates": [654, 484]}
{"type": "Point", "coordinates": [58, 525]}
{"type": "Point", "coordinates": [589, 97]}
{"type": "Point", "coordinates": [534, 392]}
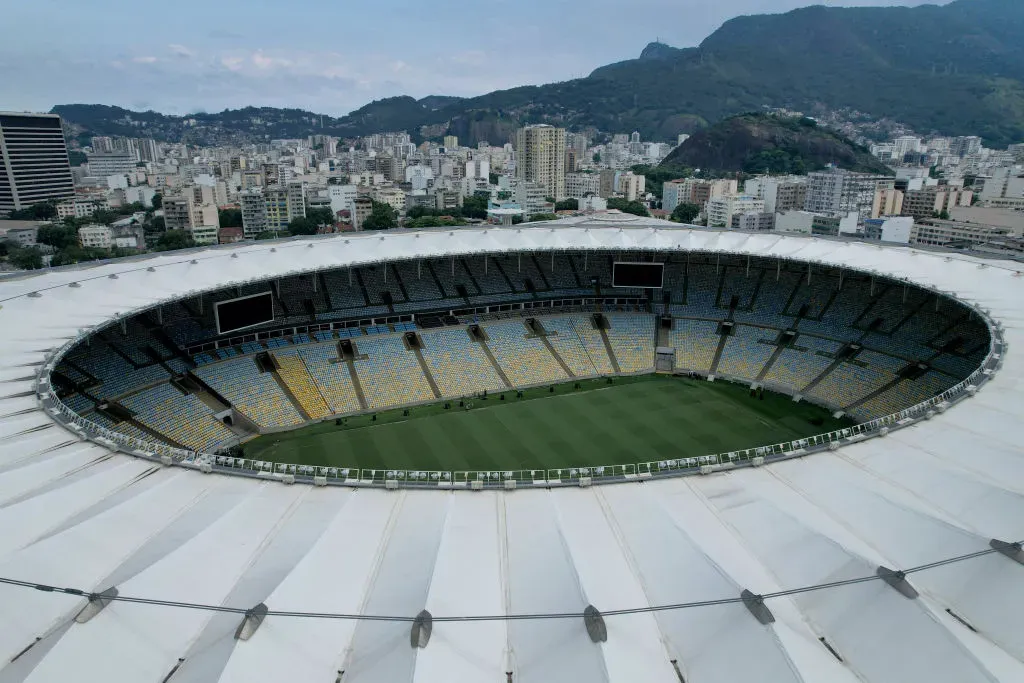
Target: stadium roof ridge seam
{"type": "Point", "coordinates": [746, 597]}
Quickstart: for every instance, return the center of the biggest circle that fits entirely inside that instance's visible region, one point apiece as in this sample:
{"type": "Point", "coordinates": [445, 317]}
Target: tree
{"type": "Point", "coordinates": [685, 213]}
{"type": "Point", "coordinates": [230, 218]}
{"type": "Point", "coordinates": [76, 157]}
{"type": "Point", "coordinates": [543, 217]}
{"type": "Point", "coordinates": [57, 236]}
{"type": "Point", "coordinates": [635, 208]}
{"type": "Point", "coordinates": [416, 212]}
{"type": "Point", "coordinates": [492, 177]}
{"type": "Point", "coordinates": [158, 200]}
{"type": "Point", "coordinates": [435, 221]}
{"type": "Point", "coordinates": [382, 217]}
{"type": "Point", "coordinates": [37, 212]}
{"type": "Point", "coordinates": [567, 205]}
{"type": "Point", "coordinates": [267, 235]}
{"type": "Point", "coordinates": [475, 206]}
{"type": "Point", "coordinates": [156, 225]}
{"type": "Point", "coordinates": [597, 157]}
{"type": "Point", "coordinates": [320, 216]}
{"type": "Point", "coordinates": [26, 258]}
{"type": "Point", "coordinates": [175, 239]}
{"type": "Point", "coordinates": [302, 226]}
{"type": "Point", "coordinates": [944, 215]}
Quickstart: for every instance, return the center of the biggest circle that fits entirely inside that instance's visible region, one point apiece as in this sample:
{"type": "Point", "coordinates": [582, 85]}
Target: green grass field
{"type": "Point", "coordinates": [636, 419]}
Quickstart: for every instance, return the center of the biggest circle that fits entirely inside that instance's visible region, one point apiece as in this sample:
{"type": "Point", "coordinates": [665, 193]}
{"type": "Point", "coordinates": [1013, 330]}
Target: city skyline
{"type": "Point", "coordinates": [237, 57]}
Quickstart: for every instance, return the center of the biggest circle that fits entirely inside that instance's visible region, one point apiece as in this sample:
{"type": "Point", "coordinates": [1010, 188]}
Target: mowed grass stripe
{"type": "Point", "coordinates": [634, 420]}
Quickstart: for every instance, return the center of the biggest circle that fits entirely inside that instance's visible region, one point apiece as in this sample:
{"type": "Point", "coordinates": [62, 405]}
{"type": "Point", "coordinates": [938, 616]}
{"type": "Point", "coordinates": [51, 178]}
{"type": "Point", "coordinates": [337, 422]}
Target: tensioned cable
{"type": "Point", "coordinates": [495, 617]}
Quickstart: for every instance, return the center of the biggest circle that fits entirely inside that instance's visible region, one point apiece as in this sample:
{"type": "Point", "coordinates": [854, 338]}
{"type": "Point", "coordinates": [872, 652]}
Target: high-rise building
{"type": "Point", "coordinates": [540, 158]}
{"type": "Point", "coordinates": [932, 200]}
{"type": "Point", "coordinates": [671, 195]}
{"type": "Point", "coordinates": [722, 209]}
{"type": "Point", "coordinates": [580, 185]}
{"type": "Point", "coordinates": [254, 212]}
{"type": "Point", "coordinates": [103, 164]}
{"type": "Point", "coordinates": [284, 203]}
{"type": "Point", "coordinates": [965, 145]}
{"type": "Point", "coordinates": [632, 186]}
{"type": "Point", "coordinates": [888, 202]}
{"type": "Point", "coordinates": [841, 192]}
{"type": "Point", "coordinates": [34, 163]}
{"type": "Point", "coordinates": [780, 193]}
{"type": "Point", "coordinates": [149, 150]}
{"type": "Point", "coordinates": [451, 142]}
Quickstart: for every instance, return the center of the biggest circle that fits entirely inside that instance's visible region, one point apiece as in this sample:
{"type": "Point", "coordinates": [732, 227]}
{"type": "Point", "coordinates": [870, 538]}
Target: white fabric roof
{"type": "Point", "coordinates": [74, 514]}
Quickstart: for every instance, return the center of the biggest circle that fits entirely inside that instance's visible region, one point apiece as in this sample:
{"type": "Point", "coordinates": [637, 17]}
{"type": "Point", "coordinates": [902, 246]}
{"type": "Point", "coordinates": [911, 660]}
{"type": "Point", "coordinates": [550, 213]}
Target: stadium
{"type": "Point", "coordinates": [605, 448]}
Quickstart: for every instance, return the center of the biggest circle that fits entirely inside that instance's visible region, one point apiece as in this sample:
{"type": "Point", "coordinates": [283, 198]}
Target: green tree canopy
{"type": "Point", "coordinates": [570, 204]}
{"type": "Point", "coordinates": [301, 226]}
{"type": "Point", "coordinates": [158, 200]}
{"type": "Point", "coordinates": [25, 258]}
{"type": "Point", "coordinates": [57, 236]}
{"type": "Point", "coordinates": [37, 212]}
{"type": "Point", "coordinates": [635, 208]}
{"type": "Point", "coordinates": [321, 216]}
{"type": "Point", "coordinates": [543, 217]}
{"type": "Point", "coordinates": [475, 206]}
{"type": "Point", "coordinates": [685, 213]}
{"type": "Point", "coordinates": [230, 218]}
{"type": "Point", "coordinates": [175, 239]}
{"type": "Point", "coordinates": [382, 217]}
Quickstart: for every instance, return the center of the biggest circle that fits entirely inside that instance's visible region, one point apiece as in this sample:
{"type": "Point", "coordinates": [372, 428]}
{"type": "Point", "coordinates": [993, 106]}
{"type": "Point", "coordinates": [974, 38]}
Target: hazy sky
{"type": "Point", "coordinates": [329, 56]}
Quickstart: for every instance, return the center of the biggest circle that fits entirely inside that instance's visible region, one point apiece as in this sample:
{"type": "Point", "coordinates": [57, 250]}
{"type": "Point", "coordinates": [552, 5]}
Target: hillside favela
{"type": "Point", "coordinates": [672, 342]}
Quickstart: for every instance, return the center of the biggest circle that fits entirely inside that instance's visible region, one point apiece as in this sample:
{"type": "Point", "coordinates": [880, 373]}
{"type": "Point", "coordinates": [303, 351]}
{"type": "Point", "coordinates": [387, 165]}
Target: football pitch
{"type": "Point", "coordinates": [635, 419]}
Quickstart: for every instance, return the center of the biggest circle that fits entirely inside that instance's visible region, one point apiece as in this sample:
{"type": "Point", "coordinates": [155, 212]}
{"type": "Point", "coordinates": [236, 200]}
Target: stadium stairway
{"type": "Point", "coordinates": [426, 372]}
{"type": "Point", "coordinates": [608, 348]}
{"type": "Point", "coordinates": [878, 392]}
{"type": "Point", "coordinates": [771, 361]}
{"type": "Point", "coordinates": [722, 341]}
{"type": "Point", "coordinates": [494, 363]}
{"type": "Point", "coordinates": [276, 374]}
{"type": "Point", "coordinates": [299, 386]}
{"type": "Point", "coordinates": [356, 384]}
{"type": "Point", "coordinates": [398, 281]}
{"type": "Point", "coordinates": [820, 378]}
{"type": "Point", "coordinates": [553, 352]}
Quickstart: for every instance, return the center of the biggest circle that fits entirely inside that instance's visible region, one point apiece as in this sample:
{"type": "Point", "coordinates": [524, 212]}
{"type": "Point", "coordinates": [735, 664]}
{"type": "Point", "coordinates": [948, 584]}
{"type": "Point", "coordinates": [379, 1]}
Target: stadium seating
{"type": "Point", "coordinates": [695, 342]}
{"type": "Point", "coordinates": [331, 378]}
{"type": "Point", "coordinates": [852, 381]}
{"type": "Point", "coordinates": [390, 374]}
{"type": "Point", "coordinates": [458, 365]}
{"type": "Point", "coordinates": [256, 394]}
{"type": "Point", "coordinates": [770, 295]}
{"type": "Point", "coordinates": [743, 354]}
{"type": "Point", "coordinates": [341, 293]}
{"type": "Point", "coordinates": [116, 375]}
{"type": "Point", "coordinates": [736, 282]}
{"type": "Point", "coordinates": [579, 345]}
{"type": "Point", "coordinates": [182, 418]}
{"type": "Point", "coordinates": [293, 372]}
{"type": "Point", "coordinates": [903, 395]}
{"type": "Point", "coordinates": [525, 361]}
{"type": "Point", "coordinates": [632, 341]}
{"type": "Point", "coordinates": [798, 365]}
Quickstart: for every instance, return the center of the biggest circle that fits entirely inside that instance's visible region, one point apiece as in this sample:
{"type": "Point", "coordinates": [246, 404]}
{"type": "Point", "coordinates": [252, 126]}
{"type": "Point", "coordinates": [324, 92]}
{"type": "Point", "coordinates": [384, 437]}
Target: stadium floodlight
{"type": "Point", "coordinates": [898, 581]}
{"type": "Point", "coordinates": [251, 622]}
{"type": "Point", "coordinates": [755, 604]}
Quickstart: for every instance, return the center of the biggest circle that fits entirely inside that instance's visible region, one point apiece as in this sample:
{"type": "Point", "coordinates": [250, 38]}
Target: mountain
{"type": "Point", "coordinates": [956, 69]}
{"type": "Point", "coordinates": [763, 143]}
